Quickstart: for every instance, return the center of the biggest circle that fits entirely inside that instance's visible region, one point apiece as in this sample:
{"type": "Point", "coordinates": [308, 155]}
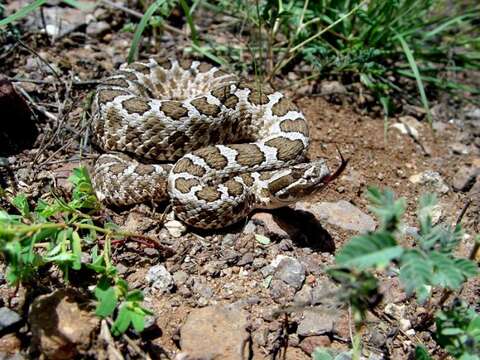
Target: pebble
{"type": "Point", "coordinates": [61, 327]}
{"type": "Point", "coordinates": [224, 327]}
{"type": "Point", "coordinates": [8, 318]}
{"type": "Point", "coordinates": [290, 271]}
{"type": "Point", "coordinates": [332, 87]}
{"type": "Point", "coordinates": [246, 258]}
{"type": "Point", "coordinates": [159, 278]}
{"type": "Point", "coordinates": [272, 229]}
{"type": "Point", "coordinates": [465, 178]}
{"type": "Point", "coordinates": [473, 114]}
{"type": "Point", "coordinates": [180, 277]}
{"type": "Point", "coordinates": [342, 214]}
{"type": "Point", "coordinates": [459, 148]}
{"type": "Point", "coordinates": [303, 297]}
{"type": "Point", "coordinates": [405, 324]}
{"type": "Point", "coordinates": [316, 323]}
{"type": "Point", "coordinates": [175, 228]}
{"type": "Point", "coordinates": [430, 178]}
{"type": "Point", "coordinates": [407, 128]}
{"type": "Point", "coordinates": [377, 338]}
{"type": "Point", "coordinates": [97, 28]}
{"type": "Point", "coordinates": [395, 311]}
{"type": "Point", "coordinates": [309, 344]}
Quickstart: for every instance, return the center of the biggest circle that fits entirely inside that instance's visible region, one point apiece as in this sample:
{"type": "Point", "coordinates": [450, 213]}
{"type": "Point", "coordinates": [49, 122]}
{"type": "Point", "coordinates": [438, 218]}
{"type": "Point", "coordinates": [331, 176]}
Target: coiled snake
{"type": "Point", "coordinates": [216, 146]}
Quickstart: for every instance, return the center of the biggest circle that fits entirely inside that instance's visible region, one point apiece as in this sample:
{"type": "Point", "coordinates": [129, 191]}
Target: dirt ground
{"type": "Point", "coordinates": [231, 267]}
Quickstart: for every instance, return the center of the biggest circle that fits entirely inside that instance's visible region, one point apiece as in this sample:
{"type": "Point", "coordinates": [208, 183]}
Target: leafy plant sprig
{"type": "Point", "coordinates": [58, 233]}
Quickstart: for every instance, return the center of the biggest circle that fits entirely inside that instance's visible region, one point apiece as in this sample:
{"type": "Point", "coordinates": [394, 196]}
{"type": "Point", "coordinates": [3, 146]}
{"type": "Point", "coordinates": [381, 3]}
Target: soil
{"type": "Point", "coordinates": [231, 266]}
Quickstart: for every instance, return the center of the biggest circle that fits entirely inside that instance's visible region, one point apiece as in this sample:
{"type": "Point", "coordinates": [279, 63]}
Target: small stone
{"type": "Point", "coordinates": [316, 323]}
{"type": "Point", "coordinates": [342, 214]}
{"type": "Point", "coordinates": [332, 87]}
{"type": "Point", "coordinates": [180, 277]}
{"type": "Point", "coordinates": [410, 332]}
{"type": "Point", "coordinates": [465, 178]}
{"type": "Point", "coordinates": [230, 256]}
{"type": "Point", "coordinates": [226, 331]}
{"type": "Point", "coordinates": [291, 272]}
{"type": "Point", "coordinates": [10, 346]}
{"type": "Point", "coordinates": [408, 125]}
{"type": "Point", "coordinates": [377, 338]}
{"type": "Point", "coordinates": [175, 228]}
{"type": "Point", "coordinates": [260, 337]}
{"type": "Point", "coordinates": [246, 258]}
{"type": "Point", "coordinates": [280, 292]}
{"type": "Point", "coordinates": [459, 148]}
{"type": "Point", "coordinates": [309, 344]}
{"type": "Point", "coordinates": [159, 278]}
{"type": "Point", "coordinates": [405, 324]}
{"type": "Point", "coordinates": [303, 297]}
{"type": "Point", "coordinates": [61, 324]}
{"type": "Point", "coordinates": [473, 114]}
{"type": "Point", "coordinates": [272, 229]}
{"type": "Point", "coordinates": [259, 262]}
{"type": "Point", "coordinates": [8, 318]}
{"type": "Point", "coordinates": [430, 178]}
{"type": "Point", "coordinates": [395, 311]}
{"type": "Point", "coordinates": [201, 288]}
{"type": "Point", "coordinates": [97, 28]}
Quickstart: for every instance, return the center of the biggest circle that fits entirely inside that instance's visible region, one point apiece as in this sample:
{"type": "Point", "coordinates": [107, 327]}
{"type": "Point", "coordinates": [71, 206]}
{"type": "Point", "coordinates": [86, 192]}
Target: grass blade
{"type": "Point", "coordinates": [191, 24]}
{"type": "Point", "coordinates": [137, 36]}
{"type": "Point", "coordinates": [416, 73]}
{"type": "Point", "coordinates": [79, 5]}
{"type": "Point", "coordinates": [22, 12]}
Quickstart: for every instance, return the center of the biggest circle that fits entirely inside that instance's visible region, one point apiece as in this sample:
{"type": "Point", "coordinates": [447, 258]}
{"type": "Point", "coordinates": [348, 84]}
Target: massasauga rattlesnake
{"type": "Point", "coordinates": [232, 146]}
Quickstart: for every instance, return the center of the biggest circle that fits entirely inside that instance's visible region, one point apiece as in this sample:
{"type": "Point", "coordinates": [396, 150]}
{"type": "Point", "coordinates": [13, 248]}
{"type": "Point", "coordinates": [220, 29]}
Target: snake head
{"type": "Point", "coordinates": [298, 182]}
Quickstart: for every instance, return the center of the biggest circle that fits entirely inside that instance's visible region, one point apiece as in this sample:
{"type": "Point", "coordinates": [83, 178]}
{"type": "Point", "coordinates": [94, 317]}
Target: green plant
{"type": "Point", "coordinates": [27, 9]}
{"type": "Point", "coordinates": [57, 233]}
{"type": "Point", "coordinates": [374, 42]}
{"type": "Point", "coordinates": [429, 264]}
{"type": "Point", "coordinates": [458, 331]}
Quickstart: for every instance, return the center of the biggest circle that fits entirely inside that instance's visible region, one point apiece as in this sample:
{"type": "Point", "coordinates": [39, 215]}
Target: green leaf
{"type": "Point", "coordinates": [22, 12]}
{"type": "Point", "coordinates": [135, 295]}
{"type": "Point", "coordinates": [421, 353]}
{"type": "Point", "coordinates": [21, 203]}
{"type": "Point", "coordinates": [452, 331]}
{"type": "Point", "coordinates": [133, 53]}
{"type": "Point", "coordinates": [122, 322]}
{"type": "Point", "coordinates": [413, 65]}
{"type": "Point", "coordinates": [415, 273]}
{"type": "Point", "coordinates": [77, 251]}
{"type": "Point", "coordinates": [84, 6]}
{"type": "Point", "coordinates": [321, 354]}
{"type": "Point", "coordinates": [370, 250]}
{"type": "Point", "coordinates": [446, 273]}
{"type": "Point", "coordinates": [262, 239]}
{"type": "Point", "coordinates": [388, 210]}
{"type": "Point", "coordinates": [107, 297]}
{"type": "Point", "coordinates": [138, 321]}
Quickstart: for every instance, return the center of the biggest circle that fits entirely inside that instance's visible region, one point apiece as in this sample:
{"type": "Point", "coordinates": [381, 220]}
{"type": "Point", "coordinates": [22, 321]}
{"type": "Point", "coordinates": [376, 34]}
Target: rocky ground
{"type": "Point", "coordinates": [255, 290]}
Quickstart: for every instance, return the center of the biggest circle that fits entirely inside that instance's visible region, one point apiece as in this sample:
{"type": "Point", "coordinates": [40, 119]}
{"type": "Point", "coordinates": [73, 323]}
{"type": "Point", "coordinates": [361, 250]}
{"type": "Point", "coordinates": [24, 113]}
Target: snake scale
{"type": "Point", "coordinates": [216, 146]}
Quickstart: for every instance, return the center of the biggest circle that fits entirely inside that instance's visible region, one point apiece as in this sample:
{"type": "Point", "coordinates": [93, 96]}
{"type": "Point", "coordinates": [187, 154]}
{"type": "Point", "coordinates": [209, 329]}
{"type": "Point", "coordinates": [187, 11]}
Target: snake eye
{"type": "Point", "coordinates": [283, 196]}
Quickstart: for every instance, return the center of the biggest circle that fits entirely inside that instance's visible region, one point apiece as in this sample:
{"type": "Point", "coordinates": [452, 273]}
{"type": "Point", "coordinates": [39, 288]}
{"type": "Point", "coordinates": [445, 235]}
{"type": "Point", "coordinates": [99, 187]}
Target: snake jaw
{"type": "Point", "coordinates": [306, 179]}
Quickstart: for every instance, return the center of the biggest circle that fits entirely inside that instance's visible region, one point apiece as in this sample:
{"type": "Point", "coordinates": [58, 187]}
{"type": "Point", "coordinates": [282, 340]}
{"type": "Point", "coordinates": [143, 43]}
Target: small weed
{"type": "Point", "coordinates": [57, 233]}
{"type": "Point", "coordinates": [430, 264]}
{"type": "Point", "coordinates": [375, 42]}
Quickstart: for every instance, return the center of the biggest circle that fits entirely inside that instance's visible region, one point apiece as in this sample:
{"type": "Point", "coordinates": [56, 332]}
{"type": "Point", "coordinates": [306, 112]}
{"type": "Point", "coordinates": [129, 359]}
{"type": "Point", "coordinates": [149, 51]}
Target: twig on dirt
{"type": "Point", "coordinates": [463, 212]}
{"type": "Point", "coordinates": [131, 343]}
{"type": "Point", "coordinates": [139, 15]}
{"type": "Point", "coordinates": [47, 82]}
{"type": "Point", "coordinates": [108, 339]}
{"type": "Point", "coordinates": [30, 50]}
